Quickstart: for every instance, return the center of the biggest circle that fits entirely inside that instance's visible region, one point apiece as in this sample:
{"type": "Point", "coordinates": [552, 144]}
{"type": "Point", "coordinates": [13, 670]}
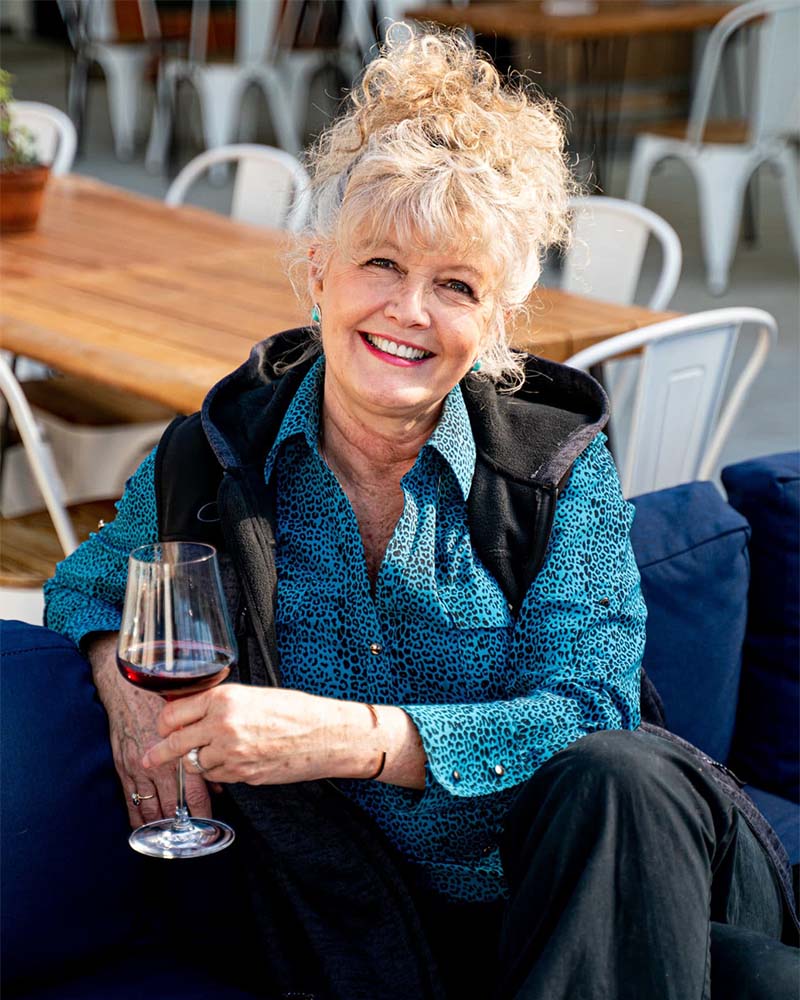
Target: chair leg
{"type": "Point", "coordinates": [161, 126]}
{"type": "Point", "coordinates": [750, 220]}
{"type": "Point", "coordinates": [220, 96]}
{"type": "Point", "coordinates": [644, 158]}
{"type": "Point", "coordinates": [248, 116]}
{"type": "Point", "coordinates": [786, 161]}
{"type": "Point", "coordinates": [721, 182]}
{"type": "Point", "coordinates": [77, 95]}
{"type": "Point", "coordinates": [124, 69]}
{"type": "Point", "coordinates": [286, 130]}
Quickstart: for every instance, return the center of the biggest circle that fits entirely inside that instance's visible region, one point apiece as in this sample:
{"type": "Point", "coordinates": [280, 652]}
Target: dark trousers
{"type": "Point", "coordinates": [631, 876]}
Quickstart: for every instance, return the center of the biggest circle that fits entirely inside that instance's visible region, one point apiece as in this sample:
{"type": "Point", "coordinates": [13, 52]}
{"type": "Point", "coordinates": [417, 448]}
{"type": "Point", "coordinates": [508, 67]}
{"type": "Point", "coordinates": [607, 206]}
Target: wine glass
{"type": "Point", "coordinates": [176, 639]}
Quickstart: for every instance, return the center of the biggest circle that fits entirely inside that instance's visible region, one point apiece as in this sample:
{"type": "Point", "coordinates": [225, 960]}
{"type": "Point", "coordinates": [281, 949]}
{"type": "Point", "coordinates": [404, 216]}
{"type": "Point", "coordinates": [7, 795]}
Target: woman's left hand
{"type": "Point", "coordinates": [264, 736]}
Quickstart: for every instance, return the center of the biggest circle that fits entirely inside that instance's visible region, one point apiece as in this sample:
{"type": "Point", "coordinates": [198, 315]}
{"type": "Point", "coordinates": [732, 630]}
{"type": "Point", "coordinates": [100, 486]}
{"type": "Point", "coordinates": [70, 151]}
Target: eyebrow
{"type": "Point", "coordinates": [389, 245]}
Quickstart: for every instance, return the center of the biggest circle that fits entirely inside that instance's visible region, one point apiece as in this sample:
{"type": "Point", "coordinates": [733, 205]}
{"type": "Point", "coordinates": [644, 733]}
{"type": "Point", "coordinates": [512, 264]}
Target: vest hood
{"type": "Point", "coordinates": [534, 434]}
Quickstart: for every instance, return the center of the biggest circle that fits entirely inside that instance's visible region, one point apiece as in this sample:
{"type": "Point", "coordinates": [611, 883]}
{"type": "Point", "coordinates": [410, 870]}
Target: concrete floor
{"type": "Point", "coordinates": [763, 275]}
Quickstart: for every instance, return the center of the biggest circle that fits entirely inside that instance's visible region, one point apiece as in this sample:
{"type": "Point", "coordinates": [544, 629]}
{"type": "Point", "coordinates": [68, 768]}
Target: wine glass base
{"type": "Point", "coordinates": [197, 838]}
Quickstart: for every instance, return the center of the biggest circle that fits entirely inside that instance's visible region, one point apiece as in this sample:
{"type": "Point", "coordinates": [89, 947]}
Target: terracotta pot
{"type": "Point", "coordinates": [21, 191]}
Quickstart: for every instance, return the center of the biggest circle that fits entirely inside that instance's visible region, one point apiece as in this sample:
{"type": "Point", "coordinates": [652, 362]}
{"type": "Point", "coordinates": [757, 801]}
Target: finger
{"type": "Point", "coordinates": [149, 802]}
{"type": "Point", "coordinates": [183, 712]}
{"type": "Point", "coordinates": [126, 782]}
{"type": "Point", "coordinates": [135, 817]}
{"type": "Point", "coordinates": [197, 798]}
{"type": "Point", "coordinates": [164, 804]}
{"type": "Point", "coordinates": [177, 744]}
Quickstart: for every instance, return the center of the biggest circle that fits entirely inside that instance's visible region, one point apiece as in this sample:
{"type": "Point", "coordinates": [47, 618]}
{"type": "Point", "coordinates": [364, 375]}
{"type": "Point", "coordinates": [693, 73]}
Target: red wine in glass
{"type": "Point", "coordinates": [190, 668]}
{"type": "Point", "coordinates": [175, 640]}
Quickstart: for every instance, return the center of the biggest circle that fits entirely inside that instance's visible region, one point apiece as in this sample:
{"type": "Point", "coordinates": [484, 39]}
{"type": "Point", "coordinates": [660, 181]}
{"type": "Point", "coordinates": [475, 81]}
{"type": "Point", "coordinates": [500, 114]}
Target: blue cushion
{"type": "Point", "coordinates": [766, 747]}
{"type": "Point", "coordinates": [691, 548]}
{"type": "Point", "coordinates": [75, 898]}
{"type": "Point", "coordinates": [69, 881]}
{"type": "Point", "coordinates": [784, 818]}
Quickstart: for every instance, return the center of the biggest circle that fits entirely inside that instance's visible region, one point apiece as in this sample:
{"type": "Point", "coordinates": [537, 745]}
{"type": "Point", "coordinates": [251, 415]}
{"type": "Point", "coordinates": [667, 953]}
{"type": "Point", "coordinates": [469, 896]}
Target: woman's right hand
{"type": "Point", "coordinates": [132, 723]}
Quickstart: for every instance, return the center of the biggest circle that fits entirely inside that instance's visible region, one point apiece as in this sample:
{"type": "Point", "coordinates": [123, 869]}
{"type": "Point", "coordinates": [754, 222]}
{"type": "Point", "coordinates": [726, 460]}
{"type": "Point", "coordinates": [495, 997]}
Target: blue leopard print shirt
{"type": "Point", "coordinates": [493, 698]}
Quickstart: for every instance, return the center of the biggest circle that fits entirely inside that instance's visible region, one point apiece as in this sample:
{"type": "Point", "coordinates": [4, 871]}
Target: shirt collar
{"type": "Point", "coordinates": [302, 417]}
{"type": "Point", "coordinates": [451, 438]}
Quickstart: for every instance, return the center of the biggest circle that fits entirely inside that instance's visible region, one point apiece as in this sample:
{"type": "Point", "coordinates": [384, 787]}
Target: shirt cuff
{"type": "Point", "coordinates": [460, 758]}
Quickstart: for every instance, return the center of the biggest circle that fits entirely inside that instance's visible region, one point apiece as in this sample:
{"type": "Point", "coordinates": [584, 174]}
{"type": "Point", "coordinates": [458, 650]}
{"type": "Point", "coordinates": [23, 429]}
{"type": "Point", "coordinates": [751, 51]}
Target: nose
{"type": "Point", "coordinates": [407, 305]}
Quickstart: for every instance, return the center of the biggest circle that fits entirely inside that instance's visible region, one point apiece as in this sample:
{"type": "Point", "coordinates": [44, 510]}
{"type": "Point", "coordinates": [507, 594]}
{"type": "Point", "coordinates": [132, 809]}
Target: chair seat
{"type": "Point", "coordinates": [30, 548]}
{"type": "Point", "coordinates": [722, 132]}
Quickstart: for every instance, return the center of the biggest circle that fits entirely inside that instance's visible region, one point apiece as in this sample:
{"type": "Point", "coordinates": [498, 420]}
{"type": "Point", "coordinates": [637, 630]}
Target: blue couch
{"type": "Point", "coordinates": [85, 917]}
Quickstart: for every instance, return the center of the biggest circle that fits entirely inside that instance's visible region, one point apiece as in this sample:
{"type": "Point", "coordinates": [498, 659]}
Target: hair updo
{"type": "Point", "coordinates": [454, 160]}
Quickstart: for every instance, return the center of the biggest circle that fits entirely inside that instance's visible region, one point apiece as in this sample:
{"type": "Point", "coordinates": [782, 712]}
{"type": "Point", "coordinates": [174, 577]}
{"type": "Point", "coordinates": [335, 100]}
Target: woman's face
{"type": "Point", "coordinates": [400, 327]}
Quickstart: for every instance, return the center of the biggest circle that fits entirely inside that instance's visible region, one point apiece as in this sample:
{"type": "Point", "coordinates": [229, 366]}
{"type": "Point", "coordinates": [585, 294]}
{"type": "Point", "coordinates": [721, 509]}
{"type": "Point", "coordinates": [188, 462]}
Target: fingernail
{"type": "Point", "coordinates": [146, 760]}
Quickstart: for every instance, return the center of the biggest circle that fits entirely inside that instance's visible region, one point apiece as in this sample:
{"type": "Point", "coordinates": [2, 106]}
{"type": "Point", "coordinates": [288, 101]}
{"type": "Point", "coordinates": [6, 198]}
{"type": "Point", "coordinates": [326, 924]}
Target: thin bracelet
{"type": "Point", "coordinates": [376, 722]}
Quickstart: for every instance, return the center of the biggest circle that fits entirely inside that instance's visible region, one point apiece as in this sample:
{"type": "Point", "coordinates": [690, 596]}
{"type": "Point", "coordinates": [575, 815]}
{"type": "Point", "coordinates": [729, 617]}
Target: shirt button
{"type": "Point", "coordinates": [456, 776]}
{"type": "Point", "coordinates": [375, 648]}
{"type": "Point", "coordinates": [604, 601]}
{"type": "Point", "coordinates": [499, 770]}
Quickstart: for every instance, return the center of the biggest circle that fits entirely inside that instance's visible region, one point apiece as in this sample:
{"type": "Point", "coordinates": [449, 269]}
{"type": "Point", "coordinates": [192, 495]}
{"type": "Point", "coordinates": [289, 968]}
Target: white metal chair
{"type": "Point", "coordinates": [91, 27]}
{"type": "Point", "coordinates": [270, 187]}
{"type": "Point", "coordinates": [220, 87]}
{"type": "Point", "coordinates": [609, 239]}
{"type": "Point", "coordinates": [723, 156]}
{"type": "Point", "coordinates": [679, 423]}
{"type": "Point", "coordinates": [26, 602]}
{"type": "Point", "coordinates": [53, 132]}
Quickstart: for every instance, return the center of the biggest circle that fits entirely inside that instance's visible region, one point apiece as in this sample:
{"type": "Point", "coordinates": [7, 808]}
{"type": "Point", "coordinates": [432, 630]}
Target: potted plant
{"type": "Point", "coordinates": [22, 177]}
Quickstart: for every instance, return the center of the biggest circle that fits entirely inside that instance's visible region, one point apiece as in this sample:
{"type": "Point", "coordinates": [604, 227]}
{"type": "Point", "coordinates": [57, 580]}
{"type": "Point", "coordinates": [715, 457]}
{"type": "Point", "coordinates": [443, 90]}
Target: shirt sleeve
{"type": "Point", "coordinates": [574, 665]}
{"type": "Point", "coordinates": [86, 593]}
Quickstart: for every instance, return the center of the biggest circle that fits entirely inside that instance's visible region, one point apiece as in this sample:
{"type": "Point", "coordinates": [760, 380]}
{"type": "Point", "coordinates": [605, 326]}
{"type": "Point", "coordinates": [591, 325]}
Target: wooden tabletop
{"type": "Point", "coordinates": [611, 18]}
{"type": "Point", "coordinates": [163, 302]}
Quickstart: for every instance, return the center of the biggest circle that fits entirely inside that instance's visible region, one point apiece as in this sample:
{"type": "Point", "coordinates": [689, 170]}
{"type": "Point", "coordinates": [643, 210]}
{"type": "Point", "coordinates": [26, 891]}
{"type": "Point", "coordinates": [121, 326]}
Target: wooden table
{"type": "Point", "coordinates": [602, 35]}
{"type": "Point", "coordinates": [163, 302]}
{"type": "Point", "coordinates": [616, 19]}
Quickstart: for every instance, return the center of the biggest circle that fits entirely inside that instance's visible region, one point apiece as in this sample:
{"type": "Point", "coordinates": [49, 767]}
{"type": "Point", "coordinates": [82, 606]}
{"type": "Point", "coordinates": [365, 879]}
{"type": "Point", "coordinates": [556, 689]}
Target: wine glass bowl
{"type": "Point", "coordinates": [176, 640]}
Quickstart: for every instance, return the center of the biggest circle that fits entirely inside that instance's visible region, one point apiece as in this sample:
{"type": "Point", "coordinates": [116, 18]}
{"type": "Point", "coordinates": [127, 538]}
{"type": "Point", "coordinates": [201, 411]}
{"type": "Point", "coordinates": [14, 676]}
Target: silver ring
{"type": "Point", "coordinates": [194, 758]}
{"type": "Point", "coordinates": [137, 798]}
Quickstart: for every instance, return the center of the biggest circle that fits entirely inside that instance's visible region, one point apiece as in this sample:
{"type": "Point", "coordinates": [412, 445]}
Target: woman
{"type": "Point", "coordinates": [424, 628]}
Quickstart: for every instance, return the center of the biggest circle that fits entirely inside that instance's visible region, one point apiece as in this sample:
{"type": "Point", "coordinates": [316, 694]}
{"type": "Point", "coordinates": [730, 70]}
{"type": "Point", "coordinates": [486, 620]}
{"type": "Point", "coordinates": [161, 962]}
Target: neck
{"type": "Point", "coordinates": [372, 447]}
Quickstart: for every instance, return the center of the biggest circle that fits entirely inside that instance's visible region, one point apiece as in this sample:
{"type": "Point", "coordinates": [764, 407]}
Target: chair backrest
{"type": "Point", "coordinates": [96, 20]}
{"type": "Point", "coordinates": [54, 133]}
{"type": "Point", "coordinates": [270, 188]}
{"type": "Point", "coordinates": [610, 237]}
{"type": "Point", "coordinates": [773, 74]}
{"type": "Point", "coordinates": [39, 456]}
{"type": "Point", "coordinates": [679, 425]}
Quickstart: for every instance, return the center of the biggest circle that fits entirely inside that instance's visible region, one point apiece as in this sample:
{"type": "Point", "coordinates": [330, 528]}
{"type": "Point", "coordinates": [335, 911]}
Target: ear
{"type": "Point", "coordinates": [315, 275]}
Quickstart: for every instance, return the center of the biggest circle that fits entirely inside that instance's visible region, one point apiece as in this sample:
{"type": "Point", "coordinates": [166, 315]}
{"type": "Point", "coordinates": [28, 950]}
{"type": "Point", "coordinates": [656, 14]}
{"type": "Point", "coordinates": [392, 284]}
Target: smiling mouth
{"type": "Point", "coordinates": [404, 351]}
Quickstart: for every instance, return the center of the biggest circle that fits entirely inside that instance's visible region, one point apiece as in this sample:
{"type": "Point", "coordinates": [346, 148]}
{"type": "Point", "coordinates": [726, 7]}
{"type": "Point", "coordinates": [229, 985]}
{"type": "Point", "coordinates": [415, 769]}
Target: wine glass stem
{"type": "Point", "coordinates": [182, 820]}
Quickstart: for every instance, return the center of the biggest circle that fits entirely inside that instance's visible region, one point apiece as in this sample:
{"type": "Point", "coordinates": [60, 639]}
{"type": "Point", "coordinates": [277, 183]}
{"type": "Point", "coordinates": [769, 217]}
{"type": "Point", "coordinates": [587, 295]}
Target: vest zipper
{"type": "Point", "coordinates": [242, 632]}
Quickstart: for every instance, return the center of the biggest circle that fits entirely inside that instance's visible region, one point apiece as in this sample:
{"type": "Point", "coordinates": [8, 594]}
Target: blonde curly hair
{"type": "Point", "coordinates": [454, 159]}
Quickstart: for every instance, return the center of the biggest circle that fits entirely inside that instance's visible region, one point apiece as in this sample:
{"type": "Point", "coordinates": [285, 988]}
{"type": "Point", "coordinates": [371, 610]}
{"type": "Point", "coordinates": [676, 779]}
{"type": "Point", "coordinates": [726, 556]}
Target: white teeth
{"type": "Point", "coordinates": [400, 350]}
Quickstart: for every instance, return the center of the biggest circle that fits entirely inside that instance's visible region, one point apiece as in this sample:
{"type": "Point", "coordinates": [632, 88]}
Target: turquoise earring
{"type": "Point", "coordinates": [477, 366]}
{"type": "Point", "coordinates": [315, 314]}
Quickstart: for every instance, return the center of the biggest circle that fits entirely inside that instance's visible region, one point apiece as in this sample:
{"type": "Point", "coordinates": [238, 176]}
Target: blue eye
{"type": "Point", "coordinates": [461, 287]}
{"type": "Point", "coordinates": [382, 262]}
